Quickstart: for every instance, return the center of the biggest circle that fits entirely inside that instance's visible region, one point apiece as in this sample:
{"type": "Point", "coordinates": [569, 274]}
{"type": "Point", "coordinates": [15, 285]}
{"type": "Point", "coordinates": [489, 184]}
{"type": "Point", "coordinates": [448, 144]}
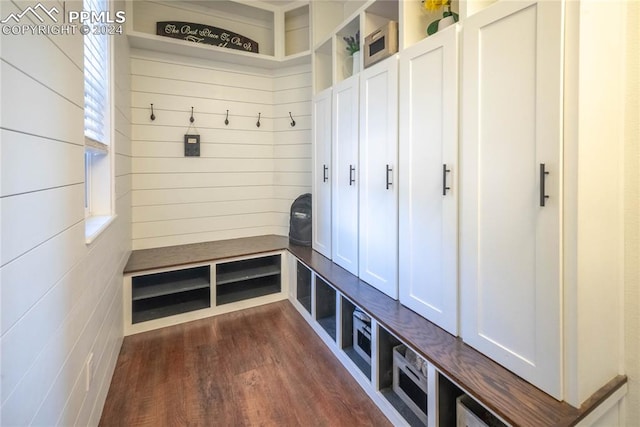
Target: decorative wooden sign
{"type": "Point", "coordinates": [199, 33]}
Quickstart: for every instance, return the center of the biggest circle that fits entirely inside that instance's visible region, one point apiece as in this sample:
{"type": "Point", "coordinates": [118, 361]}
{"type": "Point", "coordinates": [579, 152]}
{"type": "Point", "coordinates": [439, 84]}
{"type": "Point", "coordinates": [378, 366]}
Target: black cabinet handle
{"type": "Point", "coordinates": [325, 173]}
{"type": "Point", "coordinates": [352, 174]}
{"type": "Point", "coordinates": [389, 170]}
{"type": "Point", "coordinates": [543, 176]}
{"type": "Point", "coordinates": [444, 179]}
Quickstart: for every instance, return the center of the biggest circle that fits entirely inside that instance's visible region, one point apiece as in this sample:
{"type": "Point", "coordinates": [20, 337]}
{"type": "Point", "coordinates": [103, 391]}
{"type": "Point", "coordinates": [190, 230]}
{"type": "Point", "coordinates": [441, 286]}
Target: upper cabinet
{"type": "Point", "coordinates": [428, 226]}
{"type": "Point", "coordinates": [282, 33]}
{"type": "Point", "coordinates": [378, 225]}
{"type": "Point", "coordinates": [541, 192]}
{"type": "Point", "coordinates": [322, 173]}
{"type": "Point", "coordinates": [345, 174]}
{"type": "Point", "coordinates": [511, 176]}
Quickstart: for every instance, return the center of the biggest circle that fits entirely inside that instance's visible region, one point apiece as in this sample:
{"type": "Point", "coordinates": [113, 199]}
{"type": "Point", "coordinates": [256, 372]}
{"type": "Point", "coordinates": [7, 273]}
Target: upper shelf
{"type": "Point", "coordinates": [334, 20]}
{"type": "Point", "coordinates": [282, 32]}
{"type": "Point", "coordinates": [215, 53]}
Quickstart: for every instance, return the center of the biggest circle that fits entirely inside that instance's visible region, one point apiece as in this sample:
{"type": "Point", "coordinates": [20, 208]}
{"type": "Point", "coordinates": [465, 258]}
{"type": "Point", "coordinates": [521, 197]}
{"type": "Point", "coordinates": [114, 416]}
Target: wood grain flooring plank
{"type": "Point", "coordinates": [262, 366]}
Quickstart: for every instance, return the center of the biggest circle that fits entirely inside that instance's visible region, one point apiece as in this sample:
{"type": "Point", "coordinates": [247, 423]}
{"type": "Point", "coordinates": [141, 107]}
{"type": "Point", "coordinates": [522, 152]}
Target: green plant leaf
{"type": "Point", "coordinates": [433, 27]}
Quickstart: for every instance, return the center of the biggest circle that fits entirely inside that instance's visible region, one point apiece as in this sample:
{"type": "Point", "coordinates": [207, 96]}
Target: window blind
{"type": "Point", "coordinates": [96, 75]}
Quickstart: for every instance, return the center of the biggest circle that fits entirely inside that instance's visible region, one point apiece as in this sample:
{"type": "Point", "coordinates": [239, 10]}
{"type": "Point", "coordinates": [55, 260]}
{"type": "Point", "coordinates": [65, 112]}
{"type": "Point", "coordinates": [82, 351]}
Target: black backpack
{"type": "Point", "coordinates": [300, 221]}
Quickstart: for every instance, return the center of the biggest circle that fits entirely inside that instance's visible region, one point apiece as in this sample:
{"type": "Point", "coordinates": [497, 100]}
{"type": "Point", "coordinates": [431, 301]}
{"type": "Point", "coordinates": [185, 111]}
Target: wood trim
{"type": "Point", "coordinates": [510, 397]}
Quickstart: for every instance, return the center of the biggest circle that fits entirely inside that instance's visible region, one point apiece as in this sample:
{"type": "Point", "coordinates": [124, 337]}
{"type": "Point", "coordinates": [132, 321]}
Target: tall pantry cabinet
{"type": "Point", "coordinates": [378, 225]}
{"type": "Point", "coordinates": [344, 204]}
{"type": "Point", "coordinates": [428, 226]}
{"type": "Point", "coordinates": [322, 170]}
{"type": "Point", "coordinates": [533, 279]}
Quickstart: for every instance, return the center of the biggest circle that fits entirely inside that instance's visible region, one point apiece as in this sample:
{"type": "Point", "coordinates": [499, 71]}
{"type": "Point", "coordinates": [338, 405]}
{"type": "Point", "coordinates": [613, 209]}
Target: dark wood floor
{"type": "Point", "coordinates": [262, 366]}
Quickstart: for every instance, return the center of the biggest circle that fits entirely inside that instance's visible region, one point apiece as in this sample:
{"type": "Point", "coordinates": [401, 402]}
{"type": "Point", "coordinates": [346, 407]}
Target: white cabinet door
{"type": "Point", "coordinates": [378, 252]}
{"type": "Point", "coordinates": [510, 245]}
{"type": "Point", "coordinates": [428, 228]}
{"type": "Point", "coordinates": [321, 204]}
{"type": "Point", "coordinates": [345, 174]}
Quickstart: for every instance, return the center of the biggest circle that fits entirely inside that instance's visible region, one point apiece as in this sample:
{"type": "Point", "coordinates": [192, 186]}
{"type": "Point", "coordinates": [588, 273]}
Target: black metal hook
{"type": "Point", "coordinates": [226, 121]}
{"type": "Point", "coordinates": [191, 119]}
{"type": "Point", "coordinates": [258, 122]}
{"type": "Point", "coordinates": [153, 116]}
{"type": "Point", "coordinates": [293, 122]}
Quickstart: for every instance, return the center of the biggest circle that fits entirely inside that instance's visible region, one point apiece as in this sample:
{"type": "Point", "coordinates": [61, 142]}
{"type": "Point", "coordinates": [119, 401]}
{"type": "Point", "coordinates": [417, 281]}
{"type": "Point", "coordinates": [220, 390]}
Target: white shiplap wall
{"type": "Point", "coordinates": [246, 177]}
{"type": "Point", "coordinates": [60, 299]}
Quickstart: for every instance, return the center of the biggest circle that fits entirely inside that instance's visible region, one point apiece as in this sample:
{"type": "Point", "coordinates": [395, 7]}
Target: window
{"type": "Point", "coordinates": [97, 127]}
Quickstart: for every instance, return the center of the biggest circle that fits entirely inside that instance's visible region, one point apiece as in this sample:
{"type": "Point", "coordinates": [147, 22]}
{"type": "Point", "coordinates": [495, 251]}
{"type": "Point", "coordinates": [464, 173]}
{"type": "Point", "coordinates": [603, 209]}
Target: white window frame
{"type": "Point", "coordinates": [99, 161]}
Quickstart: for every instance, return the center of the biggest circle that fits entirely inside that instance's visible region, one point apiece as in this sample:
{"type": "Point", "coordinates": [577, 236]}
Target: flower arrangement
{"type": "Point", "coordinates": [353, 43]}
{"type": "Point", "coordinates": [434, 5]}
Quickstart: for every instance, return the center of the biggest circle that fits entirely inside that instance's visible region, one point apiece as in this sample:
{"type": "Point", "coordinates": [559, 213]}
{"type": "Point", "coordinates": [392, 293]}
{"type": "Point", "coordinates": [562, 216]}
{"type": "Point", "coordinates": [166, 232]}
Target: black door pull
{"type": "Point", "coordinates": [389, 170]}
{"type": "Point", "coordinates": [325, 173]}
{"type": "Point", "coordinates": [444, 179]}
{"type": "Point", "coordinates": [543, 177]}
{"type": "Point", "coordinates": [352, 174]}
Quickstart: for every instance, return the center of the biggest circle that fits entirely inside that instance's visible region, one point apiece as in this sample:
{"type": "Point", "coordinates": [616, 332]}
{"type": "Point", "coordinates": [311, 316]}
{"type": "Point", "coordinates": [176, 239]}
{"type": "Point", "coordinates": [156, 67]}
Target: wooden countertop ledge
{"type": "Point", "coordinates": [509, 396]}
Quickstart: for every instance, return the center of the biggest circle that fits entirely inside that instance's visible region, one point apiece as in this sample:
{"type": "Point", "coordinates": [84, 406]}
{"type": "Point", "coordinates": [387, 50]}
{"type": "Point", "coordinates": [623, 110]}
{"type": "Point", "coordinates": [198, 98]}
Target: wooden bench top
{"type": "Point", "coordinates": [175, 256]}
{"type": "Point", "coordinates": [506, 394]}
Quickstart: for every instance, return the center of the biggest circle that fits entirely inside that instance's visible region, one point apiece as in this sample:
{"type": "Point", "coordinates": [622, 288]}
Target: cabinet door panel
{"type": "Point", "coordinates": [345, 174]}
{"type": "Point", "coordinates": [510, 245]}
{"type": "Point", "coordinates": [322, 171]}
{"type": "Point", "coordinates": [428, 141]}
{"type": "Point", "coordinates": [378, 251]}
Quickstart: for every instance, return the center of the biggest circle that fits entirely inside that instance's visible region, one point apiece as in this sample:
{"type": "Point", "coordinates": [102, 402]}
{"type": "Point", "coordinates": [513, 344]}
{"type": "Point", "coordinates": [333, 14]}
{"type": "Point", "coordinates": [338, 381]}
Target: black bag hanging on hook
{"type": "Point", "coordinates": [300, 221]}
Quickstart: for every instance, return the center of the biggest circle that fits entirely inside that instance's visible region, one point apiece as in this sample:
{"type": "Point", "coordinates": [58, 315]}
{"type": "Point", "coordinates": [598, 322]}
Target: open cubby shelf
{"type": "Point", "coordinates": [170, 305]}
{"type": "Point", "coordinates": [245, 279]}
{"type": "Point", "coordinates": [303, 286]}
{"type": "Point", "coordinates": [363, 365]}
{"type": "Point", "coordinates": [347, 343]}
{"type": "Point", "coordinates": [248, 274]}
{"type": "Point", "coordinates": [394, 372]}
{"type": "Point", "coordinates": [401, 407]}
{"type": "Point", "coordinates": [247, 289]}
{"type": "Point", "coordinates": [168, 286]}
{"type": "Point", "coordinates": [169, 293]}
{"type": "Point", "coordinates": [326, 307]}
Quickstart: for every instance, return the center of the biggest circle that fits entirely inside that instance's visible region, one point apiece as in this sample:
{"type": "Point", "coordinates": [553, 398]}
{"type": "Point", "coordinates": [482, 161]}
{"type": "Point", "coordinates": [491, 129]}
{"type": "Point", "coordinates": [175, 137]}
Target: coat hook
{"type": "Point", "coordinates": [226, 121]}
{"type": "Point", "coordinates": [192, 119]}
{"type": "Point", "coordinates": [258, 122]}
{"type": "Point", "coordinates": [293, 122]}
{"type": "Point", "coordinates": [153, 116]}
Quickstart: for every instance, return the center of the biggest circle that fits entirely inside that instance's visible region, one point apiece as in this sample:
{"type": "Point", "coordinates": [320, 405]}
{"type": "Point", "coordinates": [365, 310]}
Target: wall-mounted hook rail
{"type": "Point", "coordinates": [293, 122]}
{"type": "Point", "coordinates": [226, 120]}
{"type": "Point", "coordinates": [258, 122]}
{"type": "Point", "coordinates": [153, 116]}
{"type": "Point", "coordinates": [191, 119]}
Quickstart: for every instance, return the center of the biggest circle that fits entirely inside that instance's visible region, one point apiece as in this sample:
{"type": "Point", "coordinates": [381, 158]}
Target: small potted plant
{"type": "Point", "coordinates": [353, 47]}
{"type": "Point", "coordinates": [448, 17]}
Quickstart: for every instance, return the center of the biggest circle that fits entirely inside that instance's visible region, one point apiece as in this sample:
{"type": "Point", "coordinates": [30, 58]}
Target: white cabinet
{"type": "Point", "coordinates": [428, 205]}
{"type": "Point", "coordinates": [345, 174]}
{"type": "Point", "coordinates": [510, 241]}
{"type": "Point", "coordinates": [378, 252]}
{"type": "Point", "coordinates": [321, 204]}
